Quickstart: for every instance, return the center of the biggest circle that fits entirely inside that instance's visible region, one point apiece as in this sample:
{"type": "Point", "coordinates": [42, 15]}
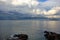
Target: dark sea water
{"type": "Point", "coordinates": [33, 28]}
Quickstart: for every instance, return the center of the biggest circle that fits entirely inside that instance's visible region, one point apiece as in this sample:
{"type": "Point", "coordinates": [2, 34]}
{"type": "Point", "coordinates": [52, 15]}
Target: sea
{"type": "Point", "coordinates": [33, 28]}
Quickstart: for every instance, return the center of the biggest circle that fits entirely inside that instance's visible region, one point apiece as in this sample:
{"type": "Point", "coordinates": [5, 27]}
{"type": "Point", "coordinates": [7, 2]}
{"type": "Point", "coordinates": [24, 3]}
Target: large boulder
{"type": "Point", "coordinates": [18, 37]}
{"type": "Point", "coordinates": [51, 35]}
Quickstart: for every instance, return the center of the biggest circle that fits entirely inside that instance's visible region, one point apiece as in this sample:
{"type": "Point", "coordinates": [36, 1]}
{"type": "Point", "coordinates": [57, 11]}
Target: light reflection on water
{"type": "Point", "coordinates": [34, 28]}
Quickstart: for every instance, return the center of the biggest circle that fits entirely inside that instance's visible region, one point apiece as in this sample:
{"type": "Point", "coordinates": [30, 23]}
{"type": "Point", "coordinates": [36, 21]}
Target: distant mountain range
{"type": "Point", "coordinates": [13, 15]}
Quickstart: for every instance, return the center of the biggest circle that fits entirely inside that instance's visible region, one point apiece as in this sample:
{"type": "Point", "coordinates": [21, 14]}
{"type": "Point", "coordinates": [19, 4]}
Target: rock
{"type": "Point", "coordinates": [51, 35]}
{"type": "Point", "coordinates": [23, 36]}
{"type": "Point", "coordinates": [18, 37]}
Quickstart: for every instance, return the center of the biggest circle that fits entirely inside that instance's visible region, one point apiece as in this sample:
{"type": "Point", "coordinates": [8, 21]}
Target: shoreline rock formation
{"type": "Point", "coordinates": [18, 37]}
{"type": "Point", "coordinates": [51, 35]}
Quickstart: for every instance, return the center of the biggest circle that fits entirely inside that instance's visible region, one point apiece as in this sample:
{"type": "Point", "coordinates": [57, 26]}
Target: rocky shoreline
{"type": "Point", "coordinates": [48, 35]}
{"type": "Point", "coordinates": [18, 37]}
{"type": "Point", "coordinates": [51, 35]}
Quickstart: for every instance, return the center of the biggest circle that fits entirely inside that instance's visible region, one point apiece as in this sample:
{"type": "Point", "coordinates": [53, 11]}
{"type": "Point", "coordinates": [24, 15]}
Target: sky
{"type": "Point", "coordinates": [41, 0]}
{"type": "Point", "coordinates": [36, 7]}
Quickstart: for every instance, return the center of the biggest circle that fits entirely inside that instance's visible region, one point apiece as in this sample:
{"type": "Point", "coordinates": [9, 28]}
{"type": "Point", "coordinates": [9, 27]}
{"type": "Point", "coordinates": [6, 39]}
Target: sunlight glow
{"type": "Point", "coordinates": [53, 16]}
{"type": "Point", "coordinates": [52, 12]}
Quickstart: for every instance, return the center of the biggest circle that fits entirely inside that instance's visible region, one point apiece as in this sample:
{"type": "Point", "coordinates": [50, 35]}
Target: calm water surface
{"type": "Point", "coordinates": [33, 28]}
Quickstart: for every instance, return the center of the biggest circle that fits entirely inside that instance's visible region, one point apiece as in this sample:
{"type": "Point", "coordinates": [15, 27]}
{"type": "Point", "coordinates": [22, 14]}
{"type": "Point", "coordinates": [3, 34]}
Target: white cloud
{"type": "Point", "coordinates": [30, 3]}
{"type": "Point", "coordinates": [33, 7]}
{"type": "Point", "coordinates": [20, 2]}
{"type": "Point", "coordinates": [3, 0]}
{"type": "Point", "coordinates": [53, 11]}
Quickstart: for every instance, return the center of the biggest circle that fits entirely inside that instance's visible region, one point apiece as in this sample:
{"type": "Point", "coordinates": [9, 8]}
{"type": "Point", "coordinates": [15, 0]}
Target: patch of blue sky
{"type": "Point", "coordinates": [42, 0]}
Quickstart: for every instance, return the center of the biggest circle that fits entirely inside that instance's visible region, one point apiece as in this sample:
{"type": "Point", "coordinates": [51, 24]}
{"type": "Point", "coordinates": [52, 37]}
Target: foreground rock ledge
{"type": "Point", "coordinates": [18, 37]}
{"type": "Point", "coordinates": [51, 35]}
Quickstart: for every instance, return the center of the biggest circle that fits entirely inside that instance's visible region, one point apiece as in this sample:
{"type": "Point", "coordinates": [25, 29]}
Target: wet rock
{"type": "Point", "coordinates": [18, 37]}
{"type": "Point", "coordinates": [51, 35]}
